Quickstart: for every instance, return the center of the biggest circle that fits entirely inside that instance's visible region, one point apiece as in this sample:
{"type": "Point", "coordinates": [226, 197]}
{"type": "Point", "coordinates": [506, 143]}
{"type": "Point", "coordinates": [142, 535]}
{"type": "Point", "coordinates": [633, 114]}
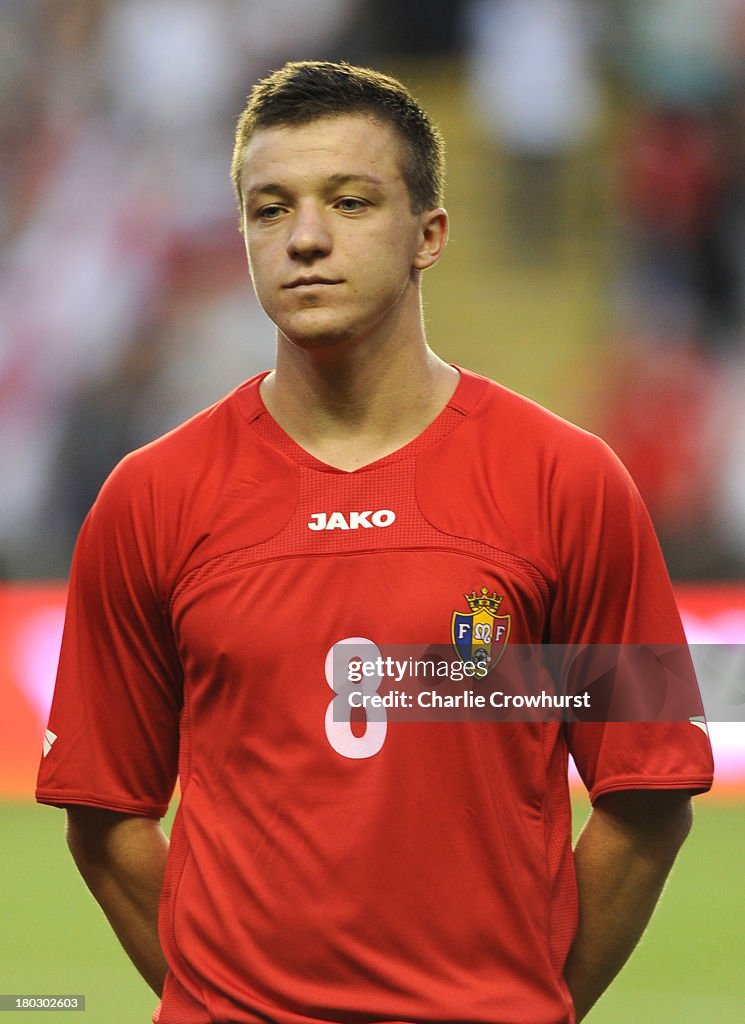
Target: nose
{"type": "Point", "coordinates": [310, 236]}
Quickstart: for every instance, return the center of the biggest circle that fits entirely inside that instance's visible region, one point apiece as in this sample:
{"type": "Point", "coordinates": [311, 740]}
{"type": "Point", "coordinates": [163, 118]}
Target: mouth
{"type": "Point", "coordinates": [309, 282]}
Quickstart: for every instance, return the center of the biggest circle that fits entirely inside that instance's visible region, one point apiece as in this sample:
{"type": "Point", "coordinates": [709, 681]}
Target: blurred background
{"type": "Point", "coordinates": [596, 186]}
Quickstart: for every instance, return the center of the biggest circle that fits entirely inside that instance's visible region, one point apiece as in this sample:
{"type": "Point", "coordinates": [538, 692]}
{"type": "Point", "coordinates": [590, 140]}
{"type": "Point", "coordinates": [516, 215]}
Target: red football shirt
{"type": "Point", "coordinates": [418, 871]}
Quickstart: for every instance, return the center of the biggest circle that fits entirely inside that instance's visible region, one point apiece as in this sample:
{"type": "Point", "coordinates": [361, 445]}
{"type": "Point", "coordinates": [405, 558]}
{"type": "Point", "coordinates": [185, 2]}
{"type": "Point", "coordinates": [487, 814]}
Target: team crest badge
{"type": "Point", "coordinates": [481, 635]}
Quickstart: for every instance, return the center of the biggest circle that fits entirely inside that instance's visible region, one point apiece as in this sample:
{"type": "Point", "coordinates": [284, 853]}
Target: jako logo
{"type": "Point", "coordinates": [337, 520]}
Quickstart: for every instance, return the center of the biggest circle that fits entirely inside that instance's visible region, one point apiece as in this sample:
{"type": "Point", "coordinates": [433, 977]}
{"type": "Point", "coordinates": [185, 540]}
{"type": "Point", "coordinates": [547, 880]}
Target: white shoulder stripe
{"type": "Point", "coordinates": [49, 738]}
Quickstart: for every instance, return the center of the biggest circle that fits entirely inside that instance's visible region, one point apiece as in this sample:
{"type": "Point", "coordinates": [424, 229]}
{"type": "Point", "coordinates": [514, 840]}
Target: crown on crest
{"type": "Point", "coordinates": [490, 602]}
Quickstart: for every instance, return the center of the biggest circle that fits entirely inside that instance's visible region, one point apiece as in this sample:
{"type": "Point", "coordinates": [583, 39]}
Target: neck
{"type": "Point", "coordinates": [352, 405]}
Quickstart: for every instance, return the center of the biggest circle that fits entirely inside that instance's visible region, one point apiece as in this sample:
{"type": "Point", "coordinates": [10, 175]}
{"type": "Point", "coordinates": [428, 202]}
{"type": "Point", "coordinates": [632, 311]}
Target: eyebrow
{"type": "Point", "coordinates": [266, 188]}
{"type": "Point", "coordinates": [333, 181]}
{"type": "Point", "coordinates": [345, 179]}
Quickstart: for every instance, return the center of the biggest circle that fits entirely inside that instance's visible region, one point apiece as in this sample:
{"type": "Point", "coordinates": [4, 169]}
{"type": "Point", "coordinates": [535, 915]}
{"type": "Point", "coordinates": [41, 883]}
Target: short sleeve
{"type": "Point", "coordinates": [613, 589]}
{"type": "Point", "coordinates": [112, 740]}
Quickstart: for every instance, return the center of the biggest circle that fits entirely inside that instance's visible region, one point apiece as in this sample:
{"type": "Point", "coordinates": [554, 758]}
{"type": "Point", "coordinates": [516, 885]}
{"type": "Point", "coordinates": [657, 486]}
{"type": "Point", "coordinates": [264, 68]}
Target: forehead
{"type": "Point", "coordinates": [347, 144]}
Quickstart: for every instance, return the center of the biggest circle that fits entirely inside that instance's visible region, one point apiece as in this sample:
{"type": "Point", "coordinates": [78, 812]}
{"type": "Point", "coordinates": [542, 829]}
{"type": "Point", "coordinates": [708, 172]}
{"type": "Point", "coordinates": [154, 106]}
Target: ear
{"type": "Point", "coordinates": [432, 238]}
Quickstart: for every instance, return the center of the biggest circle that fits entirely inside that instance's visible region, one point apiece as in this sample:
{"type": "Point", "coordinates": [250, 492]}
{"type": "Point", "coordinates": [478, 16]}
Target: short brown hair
{"type": "Point", "coordinates": [304, 91]}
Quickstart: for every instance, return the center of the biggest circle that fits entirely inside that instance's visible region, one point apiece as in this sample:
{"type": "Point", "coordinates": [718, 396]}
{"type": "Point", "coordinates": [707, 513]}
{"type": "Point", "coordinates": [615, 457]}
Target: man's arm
{"type": "Point", "coordinates": [122, 859]}
{"type": "Point", "coordinates": [622, 858]}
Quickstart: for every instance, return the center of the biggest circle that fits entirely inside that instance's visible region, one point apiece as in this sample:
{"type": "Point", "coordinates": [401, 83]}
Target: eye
{"type": "Point", "coordinates": [350, 204]}
{"type": "Point", "coordinates": [271, 212]}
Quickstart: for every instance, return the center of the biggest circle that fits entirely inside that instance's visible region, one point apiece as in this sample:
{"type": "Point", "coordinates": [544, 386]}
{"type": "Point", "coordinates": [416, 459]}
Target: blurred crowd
{"type": "Point", "coordinates": [124, 300]}
{"type": "Point", "coordinates": [677, 416]}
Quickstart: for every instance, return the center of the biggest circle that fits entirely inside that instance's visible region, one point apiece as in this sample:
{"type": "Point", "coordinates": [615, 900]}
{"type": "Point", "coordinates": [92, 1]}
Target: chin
{"type": "Point", "coordinates": [320, 336]}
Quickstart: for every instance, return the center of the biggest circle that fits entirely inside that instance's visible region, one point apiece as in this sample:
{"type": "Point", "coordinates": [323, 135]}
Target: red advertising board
{"type": "Point", "coordinates": [31, 618]}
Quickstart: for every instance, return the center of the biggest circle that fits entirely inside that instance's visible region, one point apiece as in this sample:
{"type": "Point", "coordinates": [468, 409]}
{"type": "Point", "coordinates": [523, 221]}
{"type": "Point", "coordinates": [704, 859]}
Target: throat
{"type": "Point", "coordinates": [347, 435]}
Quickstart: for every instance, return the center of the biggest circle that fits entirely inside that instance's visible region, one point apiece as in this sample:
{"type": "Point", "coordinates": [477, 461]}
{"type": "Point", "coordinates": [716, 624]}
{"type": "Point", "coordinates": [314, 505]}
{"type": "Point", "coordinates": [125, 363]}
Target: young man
{"type": "Point", "coordinates": [323, 870]}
